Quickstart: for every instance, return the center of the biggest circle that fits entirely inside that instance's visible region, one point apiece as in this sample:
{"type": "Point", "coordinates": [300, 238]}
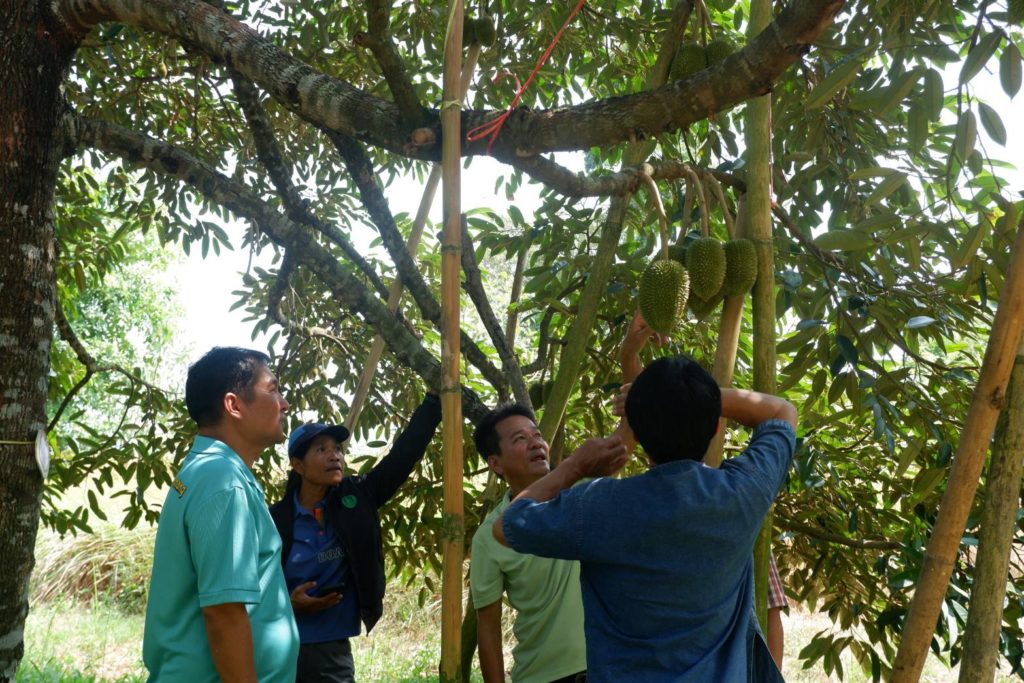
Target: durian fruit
{"type": "Point", "coordinates": [740, 267]}
{"type": "Point", "coordinates": [705, 260]}
{"type": "Point", "coordinates": [718, 49]}
{"type": "Point", "coordinates": [701, 308]}
{"type": "Point", "coordinates": [485, 32]}
{"type": "Point", "coordinates": [677, 252]}
{"type": "Point", "coordinates": [689, 59]}
{"type": "Point", "coordinates": [469, 34]}
{"type": "Point", "coordinates": [539, 392]}
{"type": "Point", "coordinates": [664, 285]}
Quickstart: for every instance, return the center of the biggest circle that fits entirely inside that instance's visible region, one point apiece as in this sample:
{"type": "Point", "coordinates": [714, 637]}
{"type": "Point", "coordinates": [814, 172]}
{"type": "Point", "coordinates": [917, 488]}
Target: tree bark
{"type": "Point", "coordinates": [336, 105]}
{"type": "Point", "coordinates": [989, 397]}
{"type": "Point", "coordinates": [34, 58]}
{"type": "Point", "coordinates": [998, 519]}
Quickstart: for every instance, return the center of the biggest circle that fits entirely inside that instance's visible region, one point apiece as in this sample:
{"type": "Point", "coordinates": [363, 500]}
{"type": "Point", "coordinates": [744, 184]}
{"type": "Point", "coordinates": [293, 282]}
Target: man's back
{"type": "Point", "coordinates": [666, 561]}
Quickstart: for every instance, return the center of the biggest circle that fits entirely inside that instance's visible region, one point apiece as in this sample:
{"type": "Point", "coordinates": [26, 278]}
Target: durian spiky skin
{"type": "Point", "coordinates": [689, 60]}
{"type": "Point", "coordinates": [740, 267]}
{"type": "Point", "coordinates": [663, 290]}
{"type": "Point", "coordinates": [705, 261]}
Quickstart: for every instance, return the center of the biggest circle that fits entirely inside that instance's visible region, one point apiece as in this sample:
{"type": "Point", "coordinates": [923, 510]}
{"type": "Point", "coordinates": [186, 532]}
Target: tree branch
{"type": "Point", "coordinates": [379, 42]}
{"type": "Point", "coordinates": [339, 106]}
{"type": "Point", "coordinates": [280, 172]}
{"type": "Point", "coordinates": [361, 169]}
{"type": "Point", "coordinates": [160, 157]}
{"type": "Point", "coordinates": [822, 535]}
{"type": "Point", "coordinates": [474, 286]}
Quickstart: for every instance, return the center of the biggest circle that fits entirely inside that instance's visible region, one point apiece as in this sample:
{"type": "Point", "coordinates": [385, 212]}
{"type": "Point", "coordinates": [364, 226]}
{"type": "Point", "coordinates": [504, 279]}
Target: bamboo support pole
{"type": "Point", "coordinates": [757, 134]}
{"type": "Point", "coordinates": [725, 352]}
{"type": "Point", "coordinates": [412, 244]}
{"type": "Point", "coordinates": [451, 394]}
{"type": "Point", "coordinates": [989, 397]}
{"type": "Point", "coordinates": [998, 517]}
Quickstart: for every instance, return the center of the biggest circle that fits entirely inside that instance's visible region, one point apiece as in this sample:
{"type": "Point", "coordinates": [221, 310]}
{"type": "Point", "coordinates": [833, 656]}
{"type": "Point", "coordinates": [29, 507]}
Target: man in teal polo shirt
{"type": "Point", "coordinates": [218, 606]}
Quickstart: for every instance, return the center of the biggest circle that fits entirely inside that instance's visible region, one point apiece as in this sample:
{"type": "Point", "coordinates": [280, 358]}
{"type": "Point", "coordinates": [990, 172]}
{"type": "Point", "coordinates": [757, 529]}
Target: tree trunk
{"type": "Point", "coordinates": [998, 518]}
{"type": "Point", "coordinates": [34, 58]}
{"type": "Point", "coordinates": [759, 227]}
{"type": "Point", "coordinates": [988, 399]}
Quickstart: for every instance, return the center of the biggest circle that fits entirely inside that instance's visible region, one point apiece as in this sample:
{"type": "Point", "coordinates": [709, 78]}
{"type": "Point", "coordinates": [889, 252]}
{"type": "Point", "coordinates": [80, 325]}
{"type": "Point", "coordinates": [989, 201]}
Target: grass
{"type": "Point", "coordinates": [88, 596]}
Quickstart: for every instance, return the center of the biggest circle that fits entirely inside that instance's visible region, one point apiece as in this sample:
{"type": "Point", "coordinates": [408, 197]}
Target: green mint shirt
{"type": "Point", "coordinates": [546, 595]}
{"type": "Point", "coordinates": [216, 544]}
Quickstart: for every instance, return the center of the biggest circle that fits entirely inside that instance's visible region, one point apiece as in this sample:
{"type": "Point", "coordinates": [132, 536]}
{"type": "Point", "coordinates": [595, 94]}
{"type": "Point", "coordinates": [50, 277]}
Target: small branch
{"type": "Point", "coordinates": [822, 535]}
{"type": "Point", "coordinates": [512, 321]}
{"type": "Point", "coordinates": [474, 286]}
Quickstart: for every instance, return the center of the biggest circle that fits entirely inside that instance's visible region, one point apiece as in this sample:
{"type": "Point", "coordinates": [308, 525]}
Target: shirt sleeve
{"type": "Point", "coordinates": [764, 464]}
{"type": "Point", "coordinates": [225, 549]}
{"type": "Point", "coordinates": [553, 528]}
{"type": "Point", "coordinates": [485, 580]}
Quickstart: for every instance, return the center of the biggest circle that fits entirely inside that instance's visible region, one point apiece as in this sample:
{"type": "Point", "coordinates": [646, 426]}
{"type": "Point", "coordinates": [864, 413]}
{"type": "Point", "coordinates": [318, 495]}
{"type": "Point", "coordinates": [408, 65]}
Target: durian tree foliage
{"type": "Point", "coordinates": [893, 223]}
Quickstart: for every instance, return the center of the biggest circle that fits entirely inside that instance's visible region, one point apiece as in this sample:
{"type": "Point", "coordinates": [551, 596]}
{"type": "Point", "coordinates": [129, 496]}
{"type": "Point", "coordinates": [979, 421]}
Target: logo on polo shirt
{"type": "Point", "coordinates": [348, 501]}
{"type": "Point", "coordinates": [179, 487]}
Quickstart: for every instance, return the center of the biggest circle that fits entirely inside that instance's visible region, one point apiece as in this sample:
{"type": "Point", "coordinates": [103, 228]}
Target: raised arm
{"type": "Point", "coordinates": [751, 408]}
{"type": "Point", "coordinates": [395, 467]}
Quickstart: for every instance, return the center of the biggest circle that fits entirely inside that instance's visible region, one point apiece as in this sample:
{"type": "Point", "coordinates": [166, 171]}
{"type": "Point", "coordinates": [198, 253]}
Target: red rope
{"type": "Point", "coordinates": [493, 127]}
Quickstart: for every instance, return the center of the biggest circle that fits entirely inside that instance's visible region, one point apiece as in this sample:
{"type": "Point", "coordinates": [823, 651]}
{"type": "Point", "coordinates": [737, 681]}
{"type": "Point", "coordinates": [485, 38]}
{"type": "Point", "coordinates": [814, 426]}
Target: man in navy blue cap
{"type": "Point", "coordinates": [332, 556]}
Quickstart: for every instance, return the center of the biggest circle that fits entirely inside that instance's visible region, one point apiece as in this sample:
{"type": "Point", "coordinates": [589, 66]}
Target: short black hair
{"type": "Point", "coordinates": [485, 435]}
{"type": "Point", "coordinates": [673, 409]}
{"type": "Point", "coordinates": [222, 370]}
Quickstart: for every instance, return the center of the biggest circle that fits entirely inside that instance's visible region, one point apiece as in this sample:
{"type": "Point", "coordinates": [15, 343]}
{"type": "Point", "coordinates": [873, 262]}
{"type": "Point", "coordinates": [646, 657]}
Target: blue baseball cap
{"type": "Point", "coordinates": [300, 438]}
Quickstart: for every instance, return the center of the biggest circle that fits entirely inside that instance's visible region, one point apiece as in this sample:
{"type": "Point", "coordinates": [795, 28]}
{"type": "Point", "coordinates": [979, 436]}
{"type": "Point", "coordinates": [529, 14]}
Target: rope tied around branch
{"type": "Point", "coordinates": [492, 128]}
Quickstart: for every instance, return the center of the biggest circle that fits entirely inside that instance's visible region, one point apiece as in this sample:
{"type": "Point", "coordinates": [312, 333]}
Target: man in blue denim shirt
{"type": "Point", "coordinates": [666, 556]}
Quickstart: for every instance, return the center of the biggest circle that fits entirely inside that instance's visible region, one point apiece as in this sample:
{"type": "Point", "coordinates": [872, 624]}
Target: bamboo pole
{"type": "Point", "coordinates": [757, 134]}
{"type": "Point", "coordinates": [451, 394]}
{"type": "Point", "coordinates": [412, 244]}
{"type": "Point", "coordinates": [998, 517]}
{"type": "Point", "coordinates": [988, 399]}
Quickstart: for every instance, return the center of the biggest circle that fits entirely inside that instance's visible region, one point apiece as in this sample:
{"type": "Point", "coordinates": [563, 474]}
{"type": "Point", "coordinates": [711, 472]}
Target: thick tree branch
{"type": "Point", "coordinates": [475, 287]}
{"type": "Point", "coordinates": [337, 105]}
{"type": "Point", "coordinates": [172, 161]}
{"type": "Point", "coordinates": [361, 169]}
{"type": "Point", "coordinates": [280, 172]}
{"type": "Point", "coordinates": [378, 40]}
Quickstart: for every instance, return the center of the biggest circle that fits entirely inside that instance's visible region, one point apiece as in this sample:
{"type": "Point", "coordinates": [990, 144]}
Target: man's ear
{"type": "Point", "coordinates": [298, 465]}
{"type": "Point", "coordinates": [494, 462]}
{"type": "Point", "coordinates": [232, 405]}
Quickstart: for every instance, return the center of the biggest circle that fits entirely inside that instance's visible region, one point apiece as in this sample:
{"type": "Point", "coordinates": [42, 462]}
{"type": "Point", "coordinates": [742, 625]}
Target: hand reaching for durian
{"type": "Point", "coordinates": [637, 335]}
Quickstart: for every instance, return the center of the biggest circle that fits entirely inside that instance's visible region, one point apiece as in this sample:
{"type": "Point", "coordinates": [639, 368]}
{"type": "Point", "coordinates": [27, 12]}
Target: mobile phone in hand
{"type": "Point", "coordinates": [327, 590]}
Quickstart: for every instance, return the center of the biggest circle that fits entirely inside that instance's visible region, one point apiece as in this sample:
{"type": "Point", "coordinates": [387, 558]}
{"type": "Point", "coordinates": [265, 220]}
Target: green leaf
{"type": "Point", "coordinates": [843, 240]}
{"type": "Point", "coordinates": [992, 124]}
{"type": "Point", "coordinates": [979, 55]}
{"type": "Point", "coordinates": [966, 135]}
{"type": "Point", "coordinates": [837, 79]}
{"type": "Point", "coordinates": [919, 321]}
{"type": "Point", "coordinates": [933, 96]}
{"type": "Point", "coordinates": [896, 92]}
{"type": "Point", "coordinates": [917, 127]}
{"type": "Point", "coordinates": [847, 349]}
{"type": "Point", "coordinates": [970, 246]}
{"type": "Point", "coordinates": [872, 172]}
{"type": "Point", "coordinates": [1010, 69]}
{"type": "Point", "coordinates": [886, 188]}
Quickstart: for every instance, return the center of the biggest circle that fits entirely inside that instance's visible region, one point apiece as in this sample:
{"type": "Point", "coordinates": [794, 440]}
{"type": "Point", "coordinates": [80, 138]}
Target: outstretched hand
{"type": "Point", "coordinates": [303, 603]}
{"type": "Point", "coordinates": [600, 457]}
{"type": "Point", "coordinates": [637, 335]}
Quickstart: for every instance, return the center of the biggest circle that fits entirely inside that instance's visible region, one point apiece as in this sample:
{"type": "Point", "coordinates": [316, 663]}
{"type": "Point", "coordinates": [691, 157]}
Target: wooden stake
{"type": "Point", "coordinates": [989, 397]}
{"type": "Point", "coordinates": [451, 393]}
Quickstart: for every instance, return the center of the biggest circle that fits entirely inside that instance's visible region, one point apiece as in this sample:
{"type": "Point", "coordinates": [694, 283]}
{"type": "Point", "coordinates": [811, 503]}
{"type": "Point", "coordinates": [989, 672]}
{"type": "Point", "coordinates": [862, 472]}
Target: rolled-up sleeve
{"type": "Point", "coordinates": [550, 529]}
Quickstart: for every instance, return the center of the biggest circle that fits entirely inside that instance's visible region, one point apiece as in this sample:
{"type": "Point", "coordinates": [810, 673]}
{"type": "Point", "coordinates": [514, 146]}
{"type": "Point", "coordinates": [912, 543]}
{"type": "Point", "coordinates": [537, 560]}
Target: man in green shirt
{"type": "Point", "coordinates": [218, 606]}
{"type": "Point", "coordinates": [545, 592]}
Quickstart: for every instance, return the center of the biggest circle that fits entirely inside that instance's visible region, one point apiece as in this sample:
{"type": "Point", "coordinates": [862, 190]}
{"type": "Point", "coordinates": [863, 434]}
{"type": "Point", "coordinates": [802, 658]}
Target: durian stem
{"type": "Point", "coordinates": [687, 209]}
{"type": "Point", "coordinates": [691, 176]}
{"type": "Point", "coordinates": [716, 189]}
{"type": "Point", "coordinates": [645, 175]}
{"type": "Point", "coordinates": [706, 21]}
